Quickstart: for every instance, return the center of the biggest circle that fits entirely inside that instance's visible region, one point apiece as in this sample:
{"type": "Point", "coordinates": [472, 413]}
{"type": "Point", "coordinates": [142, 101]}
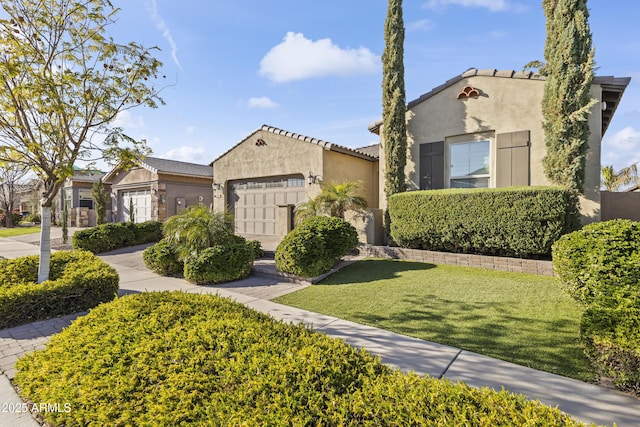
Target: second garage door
{"type": "Point", "coordinates": [141, 200]}
{"type": "Point", "coordinates": [254, 202]}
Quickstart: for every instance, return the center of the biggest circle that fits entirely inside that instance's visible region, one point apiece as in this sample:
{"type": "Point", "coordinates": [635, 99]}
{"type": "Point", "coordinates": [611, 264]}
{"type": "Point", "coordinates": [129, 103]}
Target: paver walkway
{"type": "Point", "coordinates": [586, 402]}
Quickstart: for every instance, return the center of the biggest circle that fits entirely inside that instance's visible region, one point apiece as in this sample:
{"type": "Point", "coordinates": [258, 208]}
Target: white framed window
{"type": "Point", "coordinates": [470, 164]}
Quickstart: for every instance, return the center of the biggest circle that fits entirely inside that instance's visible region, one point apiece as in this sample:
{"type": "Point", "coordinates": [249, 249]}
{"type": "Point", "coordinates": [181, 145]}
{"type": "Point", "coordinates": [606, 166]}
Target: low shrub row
{"type": "Point", "coordinates": [313, 247]}
{"type": "Point", "coordinates": [599, 266]}
{"type": "Point", "coordinates": [168, 359]}
{"type": "Point", "coordinates": [78, 280]}
{"type": "Point", "coordinates": [522, 222]}
{"type": "Point", "coordinates": [224, 262]}
{"type": "Point", "coordinates": [116, 235]}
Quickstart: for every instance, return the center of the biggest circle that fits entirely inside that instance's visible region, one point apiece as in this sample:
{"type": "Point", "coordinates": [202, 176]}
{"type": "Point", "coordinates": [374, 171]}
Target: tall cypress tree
{"type": "Point", "coordinates": [394, 128]}
{"type": "Point", "coordinates": [569, 57]}
{"type": "Point", "coordinates": [99, 194]}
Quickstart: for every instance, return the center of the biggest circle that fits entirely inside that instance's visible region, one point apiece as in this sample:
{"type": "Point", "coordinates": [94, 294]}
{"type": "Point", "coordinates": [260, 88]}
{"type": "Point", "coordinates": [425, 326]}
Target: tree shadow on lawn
{"type": "Point", "coordinates": [491, 329]}
{"type": "Point", "coordinates": [371, 270]}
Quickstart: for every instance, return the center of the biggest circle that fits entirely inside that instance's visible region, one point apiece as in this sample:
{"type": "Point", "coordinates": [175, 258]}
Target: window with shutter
{"type": "Point", "coordinates": [512, 159]}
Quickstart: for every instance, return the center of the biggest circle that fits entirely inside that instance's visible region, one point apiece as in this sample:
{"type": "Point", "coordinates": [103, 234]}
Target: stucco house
{"type": "Point", "coordinates": [483, 128]}
{"type": "Point", "coordinates": [158, 188]}
{"type": "Point", "coordinates": [266, 174]}
{"type": "Point", "coordinates": [76, 192]}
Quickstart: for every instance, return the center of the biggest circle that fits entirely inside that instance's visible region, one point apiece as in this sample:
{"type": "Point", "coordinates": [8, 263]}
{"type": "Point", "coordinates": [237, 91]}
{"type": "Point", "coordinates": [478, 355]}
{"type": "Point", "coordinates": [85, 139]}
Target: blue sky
{"type": "Point", "coordinates": [314, 67]}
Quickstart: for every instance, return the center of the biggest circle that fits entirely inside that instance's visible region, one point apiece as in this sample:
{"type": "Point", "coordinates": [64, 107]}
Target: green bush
{"type": "Point", "coordinates": [610, 329]}
{"type": "Point", "coordinates": [33, 217]}
{"type": "Point", "coordinates": [256, 247]}
{"type": "Point", "coordinates": [312, 248]}
{"type": "Point", "coordinates": [603, 257]}
{"type": "Point", "coordinates": [163, 258]}
{"type": "Point", "coordinates": [116, 235]}
{"type": "Point", "coordinates": [599, 266]}
{"type": "Point", "coordinates": [78, 280]}
{"type": "Point", "coordinates": [516, 221]}
{"type": "Point", "coordinates": [168, 359]}
{"type": "Point", "coordinates": [15, 219]}
{"type": "Point", "coordinates": [220, 263]}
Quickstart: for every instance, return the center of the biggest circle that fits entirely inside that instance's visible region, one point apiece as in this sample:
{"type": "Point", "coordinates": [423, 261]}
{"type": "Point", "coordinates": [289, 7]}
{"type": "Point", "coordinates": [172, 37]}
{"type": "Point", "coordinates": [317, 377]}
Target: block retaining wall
{"type": "Point", "coordinates": [518, 265]}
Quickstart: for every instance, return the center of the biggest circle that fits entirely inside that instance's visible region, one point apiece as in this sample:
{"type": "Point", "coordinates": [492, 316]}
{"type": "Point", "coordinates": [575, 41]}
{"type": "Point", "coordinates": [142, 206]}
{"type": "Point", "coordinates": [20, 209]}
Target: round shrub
{"type": "Point", "coordinates": [220, 263]}
{"type": "Point", "coordinates": [78, 280]}
{"type": "Point", "coordinates": [33, 217]}
{"type": "Point", "coordinates": [601, 258]}
{"type": "Point", "coordinates": [171, 359]}
{"type": "Point", "coordinates": [163, 258]}
{"type": "Point", "coordinates": [312, 248]}
{"type": "Point", "coordinates": [256, 247]}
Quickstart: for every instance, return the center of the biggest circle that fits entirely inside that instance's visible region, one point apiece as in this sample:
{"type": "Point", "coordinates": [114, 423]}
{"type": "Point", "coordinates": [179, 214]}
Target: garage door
{"type": "Point", "coordinates": [254, 203]}
{"type": "Point", "coordinates": [141, 200]}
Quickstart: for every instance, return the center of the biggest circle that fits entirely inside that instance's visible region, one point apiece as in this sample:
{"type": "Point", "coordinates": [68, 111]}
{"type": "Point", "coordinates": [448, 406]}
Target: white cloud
{"type": "Point", "coordinates": [126, 120]}
{"type": "Point", "coordinates": [263, 102]}
{"type": "Point", "coordinates": [492, 5]}
{"type": "Point", "coordinates": [422, 25]}
{"type": "Point", "coordinates": [626, 139]}
{"type": "Point", "coordinates": [297, 58]}
{"type": "Point", "coordinates": [161, 25]}
{"type": "Point", "coordinates": [185, 153]}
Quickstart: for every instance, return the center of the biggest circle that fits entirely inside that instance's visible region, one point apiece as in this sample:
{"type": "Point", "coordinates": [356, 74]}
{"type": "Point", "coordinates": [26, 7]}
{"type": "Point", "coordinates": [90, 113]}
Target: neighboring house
{"type": "Point", "coordinates": [483, 128]}
{"type": "Point", "coordinates": [158, 188]}
{"type": "Point", "coordinates": [266, 174]}
{"type": "Point", "coordinates": [28, 197]}
{"type": "Point", "coordinates": [76, 192]}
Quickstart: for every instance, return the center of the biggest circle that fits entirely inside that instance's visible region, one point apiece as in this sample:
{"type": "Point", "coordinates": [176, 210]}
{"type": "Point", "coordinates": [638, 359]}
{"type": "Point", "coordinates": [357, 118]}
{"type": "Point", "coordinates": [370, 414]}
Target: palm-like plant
{"type": "Point", "coordinates": [339, 198]}
{"type": "Point", "coordinates": [610, 180]}
{"type": "Point", "coordinates": [197, 228]}
{"type": "Point", "coordinates": [306, 210]}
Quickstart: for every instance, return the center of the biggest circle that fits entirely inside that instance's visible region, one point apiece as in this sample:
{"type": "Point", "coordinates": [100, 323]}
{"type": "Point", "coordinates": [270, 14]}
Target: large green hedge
{"type": "Point", "coordinates": [116, 235]}
{"type": "Point", "coordinates": [232, 260]}
{"type": "Point", "coordinates": [78, 280]}
{"type": "Point", "coordinates": [516, 221]}
{"type": "Point", "coordinates": [599, 266]}
{"type": "Point", "coordinates": [168, 359]}
{"type": "Point", "coordinates": [313, 247]}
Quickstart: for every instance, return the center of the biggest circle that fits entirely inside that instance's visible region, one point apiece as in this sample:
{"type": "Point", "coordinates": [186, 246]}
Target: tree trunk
{"type": "Point", "coordinates": [45, 243]}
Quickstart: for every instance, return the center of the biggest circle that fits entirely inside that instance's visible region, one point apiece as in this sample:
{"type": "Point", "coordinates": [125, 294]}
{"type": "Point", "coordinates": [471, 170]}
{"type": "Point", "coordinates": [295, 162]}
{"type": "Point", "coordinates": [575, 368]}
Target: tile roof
{"type": "Point", "coordinates": [372, 150]}
{"type": "Point", "coordinates": [175, 167]}
{"type": "Point", "coordinates": [609, 83]}
{"type": "Point", "coordinates": [355, 152]}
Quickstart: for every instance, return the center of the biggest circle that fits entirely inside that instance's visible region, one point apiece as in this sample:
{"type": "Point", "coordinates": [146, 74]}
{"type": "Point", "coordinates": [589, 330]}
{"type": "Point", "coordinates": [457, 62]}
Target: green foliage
{"type": "Point", "coordinates": [171, 359]}
{"type": "Point", "coordinates": [566, 103]}
{"type": "Point", "coordinates": [65, 222]}
{"type": "Point", "coordinates": [394, 127]}
{"type": "Point", "coordinates": [601, 258]}
{"type": "Point", "coordinates": [163, 258]}
{"type": "Point", "coordinates": [107, 237]}
{"type": "Point", "coordinates": [335, 199]}
{"type": "Point", "coordinates": [100, 199]}
{"type": "Point", "coordinates": [78, 281]}
{"type": "Point", "coordinates": [197, 228]}
{"type": "Point", "coordinates": [256, 247]}
{"type": "Point", "coordinates": [611, 180]}
{"type": "Point", "coordinates": [15, 219]}
{"type": "Point", "coordinates": [610, 329]}
{"type": "Point", "coordinates": [312, 248]}
{"type": "Point", "coordinates": [132, 211]}
{"type": "Point", "coordinates": [522, 222]}
{"type": "Point", "coordinates": [599, 266]}
{"type": "Point", "coordinates": [220, 263]}
{"type": "Point", "coordinates": [33, 217]}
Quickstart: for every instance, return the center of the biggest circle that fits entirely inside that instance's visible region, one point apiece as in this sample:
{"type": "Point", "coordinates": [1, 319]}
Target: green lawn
{"type": "Point", "coordinates": [521, 318]}
{"type": "Point", "coordinates": [18, 231]}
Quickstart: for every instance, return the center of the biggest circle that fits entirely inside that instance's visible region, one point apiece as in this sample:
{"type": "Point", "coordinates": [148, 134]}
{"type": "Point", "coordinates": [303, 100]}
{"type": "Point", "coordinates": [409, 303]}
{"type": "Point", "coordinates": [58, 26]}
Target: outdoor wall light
{"type": "Point", "coordinates": [313, 179]}
{"type": "Point", "coordinates": [200, 198]}
{"type": "Point", "coordinates": [217, 186]}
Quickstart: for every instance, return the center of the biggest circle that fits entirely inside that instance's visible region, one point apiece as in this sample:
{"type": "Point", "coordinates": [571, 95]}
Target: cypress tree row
{"type": "Point", "coordinates": [394, 128]}
{"type": "Point", "coordinates": [569, 57]}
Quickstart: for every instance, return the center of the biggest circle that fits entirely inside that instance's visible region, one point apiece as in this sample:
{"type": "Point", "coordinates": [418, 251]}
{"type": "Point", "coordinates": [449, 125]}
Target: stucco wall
{"type": "Point", "coordinates": [341, 167]}
{"type": "Point", "coordinates": [281, 155]}
{"type": "Point", "coordinates": [133, 177]}
{"type": "Point", "coordinates": [189, 191]}
{"type": "Point", "coordinates": [504, 105]}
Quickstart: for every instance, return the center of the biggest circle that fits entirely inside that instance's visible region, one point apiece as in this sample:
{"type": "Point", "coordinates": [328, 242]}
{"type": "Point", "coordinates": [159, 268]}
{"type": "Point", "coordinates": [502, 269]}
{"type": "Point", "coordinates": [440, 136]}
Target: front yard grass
{"type": "Point", "coordinates": [18, 231]}
{"type": "Point", "coordinates": [521, 318]}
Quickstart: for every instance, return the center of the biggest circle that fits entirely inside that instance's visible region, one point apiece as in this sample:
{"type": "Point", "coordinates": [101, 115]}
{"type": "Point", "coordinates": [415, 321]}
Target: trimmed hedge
{"type": "Point", "coordinates": [168, 359]}
{"type": "Point", "coordinates": [78, 280]}
{"type": "Point", "coordinates": [220, 263]}
{"type": "Point", "coordinates": [313, 247]}
{"type": "Point", "coordinates": [516, 221]}
{"type": "Point", "coordinates": [163, 258]}
{"type": "Point", "coordinates": [599, 266]}
{"type": "Point", "coordinates": [600, 255]}
{"type": "Point", "coordinates": [116, 235]}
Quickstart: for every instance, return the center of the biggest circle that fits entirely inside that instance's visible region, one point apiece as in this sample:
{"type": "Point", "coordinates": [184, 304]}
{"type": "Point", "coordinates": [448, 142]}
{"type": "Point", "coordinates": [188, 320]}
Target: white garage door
{"type": "Point", "coordinates": [141, 200]}
{"type": "Point", "coordinates": [254, 203]}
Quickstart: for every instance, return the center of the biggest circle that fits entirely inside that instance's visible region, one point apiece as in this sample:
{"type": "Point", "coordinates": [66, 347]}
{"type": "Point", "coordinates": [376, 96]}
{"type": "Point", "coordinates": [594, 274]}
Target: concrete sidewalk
{"type": "Point", "coordinates": [586, 402]}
